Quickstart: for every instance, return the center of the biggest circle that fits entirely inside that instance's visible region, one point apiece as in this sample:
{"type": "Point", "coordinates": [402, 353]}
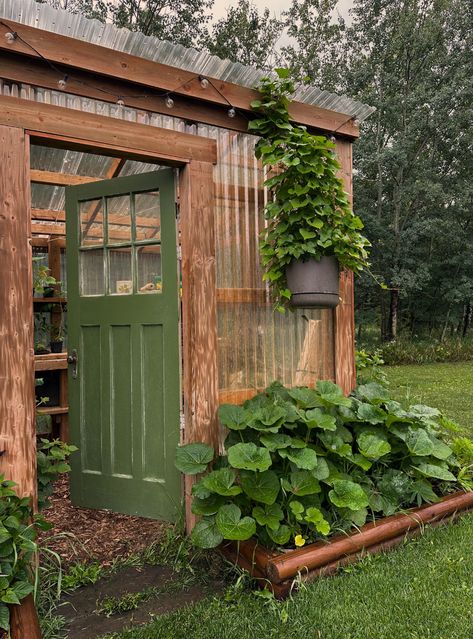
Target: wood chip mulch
{"type": "Point", "coordinates": [82, 534]}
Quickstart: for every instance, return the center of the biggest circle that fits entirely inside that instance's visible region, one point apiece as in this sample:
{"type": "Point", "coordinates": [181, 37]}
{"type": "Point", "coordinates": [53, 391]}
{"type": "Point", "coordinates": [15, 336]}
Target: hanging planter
{"type": "Point", "coordinates": [314, 283]}
{"type": "Point", "coordinates": [311, 230]}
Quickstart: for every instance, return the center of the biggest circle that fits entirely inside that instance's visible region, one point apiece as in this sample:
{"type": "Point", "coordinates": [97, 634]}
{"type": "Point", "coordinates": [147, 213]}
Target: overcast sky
{"type": "Point", "coordinates": [275, 5]}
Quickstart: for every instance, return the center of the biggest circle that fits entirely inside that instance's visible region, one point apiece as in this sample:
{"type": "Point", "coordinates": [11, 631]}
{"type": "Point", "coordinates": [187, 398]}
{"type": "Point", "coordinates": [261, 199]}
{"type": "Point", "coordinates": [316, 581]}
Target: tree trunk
{"type": "Point", "coordinates": [391, 332]}
{"type": "Point", "coordinates": [467, 319]}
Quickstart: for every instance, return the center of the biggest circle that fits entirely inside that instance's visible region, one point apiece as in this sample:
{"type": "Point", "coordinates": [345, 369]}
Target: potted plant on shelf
{"type": "Point", "coordinates": [57, 338]}
{"type": "Point", "coordinates": [312, 231]}
{"type": "Point", "coordinates": [44, 284]}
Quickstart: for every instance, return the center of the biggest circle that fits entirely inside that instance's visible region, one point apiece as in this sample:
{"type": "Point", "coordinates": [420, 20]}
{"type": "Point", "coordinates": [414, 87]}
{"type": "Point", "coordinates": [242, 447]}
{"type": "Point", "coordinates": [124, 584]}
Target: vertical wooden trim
{"type": "Point", "coordinates": [17, 393]}
{"type": "Point", "coordinates": [199, 310]}
{"type": "Point", "coordinates": [345, 374]}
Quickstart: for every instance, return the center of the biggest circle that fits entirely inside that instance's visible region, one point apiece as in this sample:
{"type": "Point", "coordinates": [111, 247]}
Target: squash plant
{"type": "Point", "coordinates": [309, 213]}
{"type": "Point", "coordinates": [302, 463]}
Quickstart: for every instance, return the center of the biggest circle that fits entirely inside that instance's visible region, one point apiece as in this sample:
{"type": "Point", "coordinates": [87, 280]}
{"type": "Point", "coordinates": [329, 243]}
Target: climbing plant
{"type": "Point", "coordinates": [309, 213]}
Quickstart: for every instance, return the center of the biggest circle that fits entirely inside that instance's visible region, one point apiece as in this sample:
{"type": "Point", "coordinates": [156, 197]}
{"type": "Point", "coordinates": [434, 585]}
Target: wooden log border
{"type": "Point", "coordinates": [278, 571]}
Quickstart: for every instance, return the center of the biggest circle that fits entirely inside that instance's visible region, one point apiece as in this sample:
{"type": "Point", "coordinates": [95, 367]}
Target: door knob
{"type": "Point", "coordinates": [72, 360]}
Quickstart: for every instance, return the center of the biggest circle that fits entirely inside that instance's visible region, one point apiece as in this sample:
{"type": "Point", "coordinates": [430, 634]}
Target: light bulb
{"type": "Point", "coordinates": [169, 102]}
{"type": "Point", "coordinates": [204, 83]}
{"type": "Point", "coordinates": [10, 36]}
{"type": "Point", "coordinates": [231, 113]}
{"type": "Point", "coordinates": [62, 84]}
{"type": "Point", "coordinates": [121, 102]}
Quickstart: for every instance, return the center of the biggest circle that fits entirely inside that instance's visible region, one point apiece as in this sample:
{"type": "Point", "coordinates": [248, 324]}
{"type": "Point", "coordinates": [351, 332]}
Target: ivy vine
{"type": "Point", "coordinates": [309, 213]}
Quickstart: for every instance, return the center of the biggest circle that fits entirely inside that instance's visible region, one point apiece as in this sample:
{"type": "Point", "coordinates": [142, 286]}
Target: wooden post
{"type": "Point", "coordinates": [199, 310]}
{"type": "Point", "coordinates": [17, 392]}
{"type": "Point", "coordinates": [345, 373]}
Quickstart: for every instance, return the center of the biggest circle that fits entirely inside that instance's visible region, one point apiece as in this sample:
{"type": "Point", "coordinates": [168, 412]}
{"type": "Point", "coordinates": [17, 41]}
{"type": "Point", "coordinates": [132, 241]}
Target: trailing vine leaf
{"type": "Point", "coordinates": [192, 459]}
{"type": "Point", "coordinates": [348, 494]}
{"type": "Point", "coordinates": [232, 525]}
{"type": "Point", "coordinates": [222, 482]}
{"type": "Point", "coordinates": [249, 457]}
{"type": "Point", "coordinates": [205, 534]}
{"type": "Point", "coordinates": [262, 487]}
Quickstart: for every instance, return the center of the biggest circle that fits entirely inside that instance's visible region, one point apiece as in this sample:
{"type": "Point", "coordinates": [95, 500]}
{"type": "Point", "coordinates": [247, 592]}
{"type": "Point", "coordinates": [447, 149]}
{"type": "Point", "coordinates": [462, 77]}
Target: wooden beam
{"type": "Point", "coordinates": [199, 310]}
{"type": "Point", "coordinates": [43, 242]}
{"type": "Point", "coordinates": [21, 69]}
{"type": "Point", "coordinates": [101, 134]}
{"type": "Point", "coordinates": [344, 328]}
{"type": "Point", "coordinates": [17, 391]}
{"type": "Point", "coordinates": [53, 178]}
{"type": "Point", "coordinates": [50, 362]}
{"type": "Point", "coordinates": [77, 54]}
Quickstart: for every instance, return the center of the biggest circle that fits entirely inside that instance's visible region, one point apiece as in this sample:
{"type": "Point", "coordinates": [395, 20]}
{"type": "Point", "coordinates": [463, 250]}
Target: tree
{"type": "Point", "coordinates": [245, 35]}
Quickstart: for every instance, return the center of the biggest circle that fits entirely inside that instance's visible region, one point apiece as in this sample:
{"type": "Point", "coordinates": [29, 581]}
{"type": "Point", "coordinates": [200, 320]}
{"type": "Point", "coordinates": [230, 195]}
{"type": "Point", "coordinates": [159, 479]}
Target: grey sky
{"type": "Point", "coordinates": [275, 5]}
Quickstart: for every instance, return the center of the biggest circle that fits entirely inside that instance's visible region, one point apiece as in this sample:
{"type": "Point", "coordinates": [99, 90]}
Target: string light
{"type": "Point", "coordinates": [62, 84]}
{"type": "Point", "coordinates": [11, 36]}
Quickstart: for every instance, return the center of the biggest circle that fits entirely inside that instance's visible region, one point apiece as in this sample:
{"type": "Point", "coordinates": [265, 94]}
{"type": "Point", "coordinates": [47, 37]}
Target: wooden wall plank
{"type": "Point", "coordinates": [344, 328]}
{"type": "Point", "coordinates": [172, 147]}
{"type": "Point", "coordinates": [199, 310]}
{"type": "Point", "coordinates": [17, 392]}
{"type": "Point", "coordinates": [139, 71]}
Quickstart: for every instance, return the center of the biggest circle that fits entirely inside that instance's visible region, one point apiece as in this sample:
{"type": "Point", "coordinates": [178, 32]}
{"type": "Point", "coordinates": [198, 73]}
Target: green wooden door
{"type": "Point", "coordinates": [123, 302]}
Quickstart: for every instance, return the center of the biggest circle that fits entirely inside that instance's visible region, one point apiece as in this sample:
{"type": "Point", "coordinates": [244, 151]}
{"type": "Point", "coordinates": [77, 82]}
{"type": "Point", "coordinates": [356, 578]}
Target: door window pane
{"type": "Point", "coordinates": [120, 273]}
{"type": "Point", "coordinates": [119, 219]}
{"type": "Point", "coordinates": [91, 222]}
{"type": "Point", "coordinates": [147, 216]}
{"type": "Point", "coordinates": [149, 269]}
{"type": "Point", "coordinates": [91, 276]}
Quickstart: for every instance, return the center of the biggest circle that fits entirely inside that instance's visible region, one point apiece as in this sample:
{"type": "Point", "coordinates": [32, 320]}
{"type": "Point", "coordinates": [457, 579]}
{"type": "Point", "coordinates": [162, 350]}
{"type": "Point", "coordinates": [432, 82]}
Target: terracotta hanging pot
{"type": "Point", "coordinates": [314, 283]}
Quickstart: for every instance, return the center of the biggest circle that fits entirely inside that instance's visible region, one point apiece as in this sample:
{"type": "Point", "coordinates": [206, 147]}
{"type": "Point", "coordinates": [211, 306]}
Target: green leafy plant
{"type": "Point", "coordinates": [301, 463]}
{"type": "Point", "coordinates": [17, 548]}
{"type": "Point", "coordinates": [82, 574]}
{"type": "Point", "coordinates": [51, 459]}
{"type": "Point", "coordinates": [369, 366]}
{"type": "Point", "coordinates": [309, 213]}
{"type": "Point", "coordinates": [42, 278]}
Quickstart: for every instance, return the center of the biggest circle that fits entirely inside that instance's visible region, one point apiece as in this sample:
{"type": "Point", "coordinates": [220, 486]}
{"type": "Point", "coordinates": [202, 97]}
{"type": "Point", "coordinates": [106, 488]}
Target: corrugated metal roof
{"type": "Point", "coordinates": [45, 17]}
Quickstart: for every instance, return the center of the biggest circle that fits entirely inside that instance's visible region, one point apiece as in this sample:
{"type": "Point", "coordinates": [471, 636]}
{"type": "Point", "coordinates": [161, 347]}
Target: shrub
{"type": "Point", "coordinates": [301, 463]}
{"type": "Point", "coordinates": [408, 351]}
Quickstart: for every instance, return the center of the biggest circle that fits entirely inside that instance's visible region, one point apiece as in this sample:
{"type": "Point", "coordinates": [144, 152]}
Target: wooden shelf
{"type": "Point", "coordinates": [53, 410]}
{"type": "Point", "coordinates": [49, 300]}
{"type": "Point", "coordinates": [50, 362]}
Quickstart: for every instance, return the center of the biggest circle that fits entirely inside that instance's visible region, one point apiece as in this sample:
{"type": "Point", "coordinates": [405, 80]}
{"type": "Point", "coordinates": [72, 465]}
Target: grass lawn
{"type": "Point", "coordinates": [445, 386]}
{"type": "Point", "coordinates": [423, 590]}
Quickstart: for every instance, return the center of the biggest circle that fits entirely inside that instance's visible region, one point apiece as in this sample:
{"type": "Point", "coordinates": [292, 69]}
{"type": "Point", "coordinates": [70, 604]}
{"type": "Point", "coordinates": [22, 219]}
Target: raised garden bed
{"type": "Point", "coordinates": [278, 570]}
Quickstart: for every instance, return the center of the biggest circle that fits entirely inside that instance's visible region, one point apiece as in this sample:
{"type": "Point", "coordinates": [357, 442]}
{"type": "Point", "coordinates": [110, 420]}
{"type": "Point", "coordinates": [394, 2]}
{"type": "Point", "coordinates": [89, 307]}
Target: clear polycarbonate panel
{"type": "Point", "coordinates": [91, 223]}
{"type": "Point", "coordinates": [119, 219]}
{"type": "Point", "coordinates": [120, 271]}
{"type": "Point", "coordinates": [91, 276]}
{"type": "Point", "coordinates": [147, 216]}
{"type": "Point", "coordinates": [149, 268]}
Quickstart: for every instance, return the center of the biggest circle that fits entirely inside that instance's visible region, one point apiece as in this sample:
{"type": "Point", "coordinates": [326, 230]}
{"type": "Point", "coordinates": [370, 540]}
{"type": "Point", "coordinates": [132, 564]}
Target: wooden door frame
{"type": "Point", "coordinates": [194, 156]}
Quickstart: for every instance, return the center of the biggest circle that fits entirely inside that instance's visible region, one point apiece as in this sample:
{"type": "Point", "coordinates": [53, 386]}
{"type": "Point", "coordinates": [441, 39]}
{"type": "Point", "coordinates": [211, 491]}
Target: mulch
{"type": "Point", "coordinates": [83, 534]}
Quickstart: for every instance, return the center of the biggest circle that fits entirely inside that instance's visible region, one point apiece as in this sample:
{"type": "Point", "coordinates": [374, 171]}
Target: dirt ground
{"type": "Point", "coordinates": [82, 534]}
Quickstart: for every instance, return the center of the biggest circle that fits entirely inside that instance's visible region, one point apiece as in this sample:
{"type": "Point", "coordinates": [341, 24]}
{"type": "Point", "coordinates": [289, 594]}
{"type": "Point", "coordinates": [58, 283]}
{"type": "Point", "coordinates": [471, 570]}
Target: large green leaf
{"type": "Point", "coordinates": [233, 417]}
{"type": "Point", "coordinates": [268, 419]}
{"type": "Point", "coordinates": [371, 414]}
{"type": "Point", "coordinates": [322, 470]}
{"type": "Point", "coordinates": [304, 458]}
{"type": "Point", "coordinates": [373, 392]}
{"type": "Point", "coordinates": [305, 397]}
{"type": "Point", "coordinates": [441, 450]}
{"type": "Point", "coordinates": [192, 459]}
{"type": "Point", "coordinates": [273, 441]}
{"type": "Point", "coordinates": [395, 486]}
{"type": "Point", "coordinates": [249, 457]}
{"type": "Point", "coordinates": [207, 506]}
{"type": "Point", "coordinates": [268, 516]}
{"type": "Point", "coordinates": [232, 525]}
{"type": "Point", "coordinates": [222, 482]}
{"type": "Point", "coordinates": [302, 482]}
{"type": "Point", "coordinates": [205, 534]}
{"type": "Point", "coordinates": [315, 418]}
{"type": "Point", "coordinates": [348, 494]}
{"type": "Point", "coordinates": [4, 617]}
{"type": "Point", "coordinates": [419, 442]}
{"type": "Point", "coordinates": [263, 487]}
{"type": "Point", "coordinates": [331, 394]}
{"type": "Point", "coordinates": [315, 516]}
{"type": "Point", "coordinates": [280, 536]}
{"type": "Point", "coordinates": [335, 443]}
{"type": "Point", "coordinates": [432, 469]}
{"type": "Point", "coordinates": [373, 443]}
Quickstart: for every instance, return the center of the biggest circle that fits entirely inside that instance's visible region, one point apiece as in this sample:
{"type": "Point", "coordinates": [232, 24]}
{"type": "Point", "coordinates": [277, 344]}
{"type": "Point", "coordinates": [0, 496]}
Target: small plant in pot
{"type": "Point", "coordinates": [44, 284]}
{"type": "Point", "coordinates": [312, 231]}
{"type": "Point", "coordinates": [57, 339]}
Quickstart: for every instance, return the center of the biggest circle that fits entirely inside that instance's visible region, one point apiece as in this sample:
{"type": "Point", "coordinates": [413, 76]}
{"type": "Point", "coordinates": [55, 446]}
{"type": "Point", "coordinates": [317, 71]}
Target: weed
{"type": "Point", "coordinates": [82, 574]}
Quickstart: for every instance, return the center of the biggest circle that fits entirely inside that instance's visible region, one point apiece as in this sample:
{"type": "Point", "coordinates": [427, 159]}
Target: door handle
{"type": "Point", "coordinates": [72, 360]}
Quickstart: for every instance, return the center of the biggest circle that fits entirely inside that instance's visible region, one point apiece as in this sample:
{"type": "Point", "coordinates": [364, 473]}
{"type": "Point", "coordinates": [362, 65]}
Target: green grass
{"type": "Point", "coordinates": [423, 590]}
{"type": "Point", "coordinates": [448, 387]}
